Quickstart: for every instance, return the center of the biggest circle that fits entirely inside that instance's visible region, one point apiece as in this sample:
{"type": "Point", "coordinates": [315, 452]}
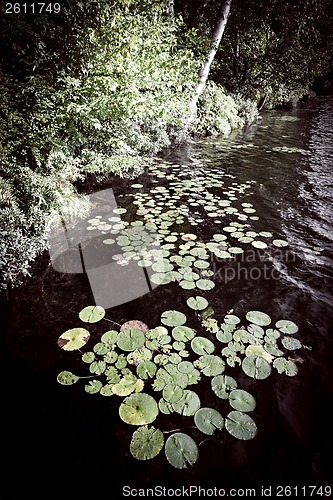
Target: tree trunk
{"type": "Point", "coordinates": [204, 71]}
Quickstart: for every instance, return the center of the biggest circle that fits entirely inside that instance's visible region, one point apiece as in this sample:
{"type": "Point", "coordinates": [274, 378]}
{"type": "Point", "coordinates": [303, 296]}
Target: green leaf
{"type": "Point", "coordinates": [183, 333]}
{"type": "Point", "coordinates": [173, 318]}
{"type": "Point", "coordinates": [240, 425]}
{"type": "Point", "coordinates": [202, 345]}
{"type": "Point", "coordinates": [146, 443]}
{"type": "Point", "coordinates": [242, 400]}
{"type": "Point", "coordinates": [138, 409]}
{"type": "Point", "coordinates": [92, 314]}
{"type": "Point", "coordinates": [256, 367]}
{"type": "Point", "coordinates": [290, 343]}
{"type": "Point", "coordinates": [93, 387]}
{"type": "Point", "coordinates": [258, 318]}
{"type": "Point", "coordinates": [73, 339]}
{"type": "Point", "coordinates": [285, 366]}
{"type": "Point", "coordinates": [67, 378]}
{"type": "Point", "coordinates": [222, 385]}
{"type": "Point", "coordinates": [146, 369]}
{"type": "Point", "coordinates": [197, 303]}
{"type": "Point", "coordinates": [188, 404]}
{"type": "Point", "coordinates": [210, 365]}
{"type": "Point", "coordinates": [258, 350]}
{"type": "Point", "coordinates": [181, 450]}
{"type": "Point", "coordinates": [172, 393]}
{"type": "Point", "coordinates": [287, 326]}
{"type": "Point", "coordinates": [208, 420]}
{"type": "Point", "coordinates": [129, 340]}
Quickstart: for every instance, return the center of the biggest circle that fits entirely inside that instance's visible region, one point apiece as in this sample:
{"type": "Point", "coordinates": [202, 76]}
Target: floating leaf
{"type": "Point", "coordinates": [258, 350]}
{"type": "Point", "coordinates": [129, 340]}
{"type": "Point", "coordinates": [106, 390]}
{"type": "Point", "coordinates": [138, 409]}
{"type": "Point", "coordinates": [161, 278]}
{"type": "Point", "coordinates": [259, 244]}
{"type": "Point", "coordinates": [183, 333]}
{"type": "Point", "coordinates": [172, 393]}
{"type": "Point", "coordinates": [202, 345]}
{"type": "Point", "coordinates": [280, 243]}
{"type": "Point", "coordinates": [146, 369]}
{"type": "Point", "coordinates": [290, 343]}
{"type": "Point", "coordinates": [67, 378]}
{"type": "Point", "coordinates": [240, 425]}
{"type": "Point", "coordinates": [222, 385]}
{"type": "Point", "coordinates": [285, 366]}
{"type": "Point", "coordinates": [185, 367]}
{"type": "Point", "coordinates": [258, 318]}
{"type": "Point", "coordinates": [242, 400]}
{"type": "Point", "coordinates": [92, 314]}
{"type": "Point", "coordinates": [256, 367]}
{"type": "Point", "coordinates": [146, 443]}
{"type": "Point", "coordinates": [224, 337]}
{"type": "Point", "coordinates": [208, 420]}
{"type": "Point", "coordinates": [210, 365]}
{"type": "Point", "coordinates": [110, 337]}
{"type": "Point", "coordinates": [181, 450]}
{"type": "Point", "coordinates": [231, 319]}
{"type": "Point", "coordinates": [286, 326]}
{"type": "Point", "coordinates": [73, 339]}
{"type": "Point", "coordinates": [93, 387]}
{"type": "Point", "coordinates": [188, 404]}
{"type": "Point", "coordinates": [88, 357]}
{"type": "Point", "coordinates": [205, 284]}
{"type": "Point", "coordinates": [197, 303]}
{"type": "Point", "coordinates": [173, 318]}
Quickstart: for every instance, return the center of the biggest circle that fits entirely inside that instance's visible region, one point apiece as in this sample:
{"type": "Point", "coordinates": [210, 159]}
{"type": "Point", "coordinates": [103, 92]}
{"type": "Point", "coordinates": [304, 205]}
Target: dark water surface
{"type": "Point", "coordinates": [62, 439]}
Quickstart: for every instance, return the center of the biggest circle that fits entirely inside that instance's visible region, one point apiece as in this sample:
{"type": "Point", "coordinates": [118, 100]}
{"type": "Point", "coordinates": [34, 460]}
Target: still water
{"type": "Point", "coordinates": [65, 436]}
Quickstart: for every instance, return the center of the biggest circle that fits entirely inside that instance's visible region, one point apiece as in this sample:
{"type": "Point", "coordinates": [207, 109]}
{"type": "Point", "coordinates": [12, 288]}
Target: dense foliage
{"type": "Point", "coordinates": [99, 88]}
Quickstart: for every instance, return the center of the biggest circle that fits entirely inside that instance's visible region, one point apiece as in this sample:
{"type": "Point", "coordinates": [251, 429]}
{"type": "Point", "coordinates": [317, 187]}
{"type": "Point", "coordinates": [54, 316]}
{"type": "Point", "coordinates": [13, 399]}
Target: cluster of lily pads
{"type": "Point", "coordinates": [157, 370]}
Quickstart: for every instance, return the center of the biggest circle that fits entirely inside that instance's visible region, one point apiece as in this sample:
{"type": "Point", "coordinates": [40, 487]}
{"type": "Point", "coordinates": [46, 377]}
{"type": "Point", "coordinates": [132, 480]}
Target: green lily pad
{"type": "Point", "coordinates": [93, 387]}
{"type": "Point", "coordinates": [73, 339]}
{"type": "Point", "coordinates": [224, 336]}
{"type": "Point", "coordinates": [197, 303]}
{"type": "Point", "coordinates": [285, 366]}
{"type": "Point", "coordinates": [201, 345]}
{"type": "Point", "coordinates": [188, 404]}
{"type": "Point", "coordinates": [173, 318]}
{"type": "Point", "coordinates": [165, 407]}
{"type": "Point", "coordinates": [106, 390]}
{"type": "Point", "coordinates": [67, 378]}
{"type": "Point", "coordinates": [256, 367]}
{"type": "Point", "coordinates": [290, 343]}
{"type": "Point", "coordinates": [88, 357]}
{"type": "Point", "coordinates": [240, 425]}
{"type": "Point", "coordinates": [242, 400]}
{"type": "Point", "coordinates": [183, 333]}
{"type": "Point", "coordinates": [222, 385]}
{"type": "Point", "coordinates": [258, 350]}
{"type": "Point", "coordinates": [129, 340]}
{"type": "Point", "coordinates": [286, 326]}
{"type": "Point", "coordinates": [185, 367]}
{"type": "Point", "coordinates": [205, 284]}
{"type": "Point", "coordinates": [258, 318]}
{"type": "Point", "coordinates": [181, 450]}
{"type": "Point", "coordinates": [92, 314]}
{"type": "Point", "coordinates": [280, 243]}
{"type": "Point", "coordinates": [231, 319]}
{"type": "Point", "coordinates": [208, 420]}
{"type": "Point", "coordinates": [110, 337]}
{"type": "Point", "coordinates": [146, 443]}
{"type": "Point", "coordinates": [146, 369]}
{"type": "Point", "coordinates": [172, 393]}
{"type": "Point", "coordinates": [210, 365]}
{"type": "Point", "coordinates": [138, 409]}
{"type": "Point", "coordinates": [134, 324]}
{"type": "Point", "coordinates": [161, 278]}
{"type": "Point", "coordinates": [259, 244]}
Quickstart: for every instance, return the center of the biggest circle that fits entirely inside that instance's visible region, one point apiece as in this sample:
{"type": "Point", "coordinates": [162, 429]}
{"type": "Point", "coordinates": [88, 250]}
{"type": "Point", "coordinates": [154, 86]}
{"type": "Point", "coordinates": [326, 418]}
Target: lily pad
{"type": "Point", "coordinates": [242, 400]}
{"type": "Point", "coordinates": [285, 366]}
{"type": "Point", "coordinates": [231, 319]}
{"type": "Point", "coordinates": [129, 340]}
{"type": "Point", "coordinates": [92, 314]}
{"type": "Point", "coordinates": [258, 318]}
{"type": "Point", "coordinates": [202, 345]}
{"type": "Point", "coordinates": [280, 243]}
{"type": "Point", "coordinates": [146, 443]}
{"type": "Point", "coordinates": [258, 350]}
{"type": "Point", "coordinates": [146, 369]}
{"type": "Point", "coordinates": [73, 339]}
{"type": "Point", "coordinates": [93, 387]}
{"type": "Point", "coordinates": [110, 337]}
{"type": "Point", "coordinates": [138, 409]}
{"type": "Point", "coordinates": [67, 378]}
{"type": "Point", "coordinates": [222, 385]}
{"type": "Point", "coordinates": [188, 404]}
{"type": "Point", "coordinates": [208, 420]}
{"type": "Point", "coordinates": [290, 343]}
{"type": "Point", "coordinates": [197, 303]}
{"type": "Point", "coordinates": [205, 284]}
{"type": "Point", "coordinates": [240, 425]}
{"type": "Point", "coordinates": [173, 318]}
{"type": "Point", "coordinates": [210, 365]}
{"type": "Point", "coordinates": [256, 367]}
{"type": "Point", "coordinates": [181, 450]}
{"type": "Point", "coordinates": [134, 324]}
{"type": "Point", "coordinates": [172, 393]}
{"type": "Point", "coordinates": [286, 326]}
